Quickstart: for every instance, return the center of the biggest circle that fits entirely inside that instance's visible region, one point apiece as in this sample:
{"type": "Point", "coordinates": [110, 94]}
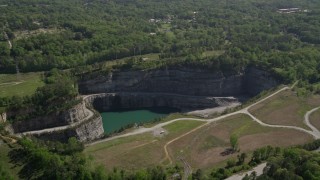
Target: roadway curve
{"type": "Point", "coordinates": [315, 133]}
{"type": "Point", "coordinates": [307, 121]}
{"type": "Point", "coordinates": [160, 125]}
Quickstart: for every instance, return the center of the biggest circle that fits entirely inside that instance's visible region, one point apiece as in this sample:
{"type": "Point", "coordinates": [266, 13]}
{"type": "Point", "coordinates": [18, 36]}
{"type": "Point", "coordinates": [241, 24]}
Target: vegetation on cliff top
{"type": "Point", "coordinates": [56, 34]}
{"type": "Point", "coordinates": [59, 93]}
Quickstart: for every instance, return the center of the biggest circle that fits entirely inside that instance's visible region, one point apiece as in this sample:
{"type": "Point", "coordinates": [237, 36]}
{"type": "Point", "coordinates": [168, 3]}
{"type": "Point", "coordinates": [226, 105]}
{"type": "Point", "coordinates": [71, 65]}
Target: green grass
{"type": "Point", "coordinates": [6, 162]}
{"type": "Point", "coordinates": [179, 127]}
{"type": "Point", "coordinates": [169, 118]}
{"type": "Point", "coordinates": [29, 83]}
{"type": "Point", "coordinates": [152, 56]}
{"type": "Point", "coordinates": [287, 105]}
{"type": "Point", "coordinates": [116, 142]}
{"type": "Point", "coordinates": [166, 26]}
{"type": "Point", "coordinates": [212, 142]}
{"type": "Point", "coordinates": [170, 35]}
{"type": "Point", "coordinates": [242, 125]}
{"type": "Point", "coordinates": [113, 153]}
{"type": "Point", "coordinates": [174, 129]}
{"type": "Point", "coordinates": [212, 53]}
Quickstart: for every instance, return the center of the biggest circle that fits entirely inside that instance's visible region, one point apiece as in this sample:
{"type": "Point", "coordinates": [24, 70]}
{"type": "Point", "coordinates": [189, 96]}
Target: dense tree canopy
{"type": "Point", "coordinates": [63, 34]}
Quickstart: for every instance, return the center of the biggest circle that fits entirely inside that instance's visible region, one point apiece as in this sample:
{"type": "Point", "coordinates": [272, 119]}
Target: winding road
{"type": "Point", "coordinates": [11, 83]}
{"type": "Point", "coordinates": [313, 132]}
{"type": "Point", "coordinates": [245, 110]}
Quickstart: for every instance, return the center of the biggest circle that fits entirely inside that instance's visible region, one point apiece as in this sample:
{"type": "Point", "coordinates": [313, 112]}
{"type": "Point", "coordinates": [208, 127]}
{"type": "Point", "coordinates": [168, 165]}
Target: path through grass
{"type": "Point", "coordinates": [24, 84]}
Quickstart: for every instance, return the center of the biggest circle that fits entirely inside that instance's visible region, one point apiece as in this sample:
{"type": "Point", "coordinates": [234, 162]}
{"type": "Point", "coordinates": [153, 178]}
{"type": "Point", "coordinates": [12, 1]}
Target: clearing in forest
{"type": "Point", "coordinates": [285, 108]}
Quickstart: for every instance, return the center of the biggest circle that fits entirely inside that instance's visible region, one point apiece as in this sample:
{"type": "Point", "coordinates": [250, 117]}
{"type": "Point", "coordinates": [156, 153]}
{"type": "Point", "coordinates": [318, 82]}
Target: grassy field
{"type": "Point", "coordinates": [26, 34]}
{"type": "Point", "coordinates": [213, 53]}
{"type": "Point", "coordinates": [24, 84]}
{"type": "Point", "coordinates": [6, 162]}
{"type": "Point", "coordinates": [286, 108]}
{"type": "Point", "coordinates": [138, 151]}
{"type": "Point", "coordinates": [202, 148]}
{"type": "Point", "coordinates": [169, 118]}
{"type": "Point", "coordinates": [147, 57]}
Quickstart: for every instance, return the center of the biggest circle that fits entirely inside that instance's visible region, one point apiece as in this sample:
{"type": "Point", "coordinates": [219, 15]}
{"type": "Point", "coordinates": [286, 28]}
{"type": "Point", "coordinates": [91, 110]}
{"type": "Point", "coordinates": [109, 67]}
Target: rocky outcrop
{"type": "Point", "coordinates": [181, 81]}
{"type": "Point", "coordinates": [85, 132]}
{"type": "Point", "coordinates": [73, 115]}
{"type": "Point", "coordinates": [256, 81]}
{"type": "Point", "coordinates": [80, 122]}
{"type": "Point", "coordinates": [3, 117]}
{"type": "Point", "coordinates": [181, 88]}
{"type": "Point", "coordinates": [127, 100]}
{"type": "Point", "coordinates": [186, 89]}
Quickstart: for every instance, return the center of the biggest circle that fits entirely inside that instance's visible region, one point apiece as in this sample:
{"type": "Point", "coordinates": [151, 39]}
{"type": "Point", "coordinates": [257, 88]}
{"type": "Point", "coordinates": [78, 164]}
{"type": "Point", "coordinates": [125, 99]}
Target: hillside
{"type": "Point", "coordinates": [242, 80]}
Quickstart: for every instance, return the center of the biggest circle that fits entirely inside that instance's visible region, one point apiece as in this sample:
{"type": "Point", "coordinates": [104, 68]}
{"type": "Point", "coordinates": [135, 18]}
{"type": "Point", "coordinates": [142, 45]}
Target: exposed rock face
{"type": "Point", "coordinates": [127, 100]}
{"type": "Point", "coordinates": [78, 120]}
{"type": "Point", "coordinates": [175, 81]}
{"type": "Point", "coordinates": [85, 132]}
{"type": "Point", "coordinates": [69, 116]}
{"type": "Point", "coordinates": [180, 88]}
{"type": "Point", "coordinates": [3, 117]}
{"type": "Point", "coordinates": [181, 81]}
{"type": "Point", "coordinates": [186, 89]}
{"type": "Point", "coordinates": [257, 80]}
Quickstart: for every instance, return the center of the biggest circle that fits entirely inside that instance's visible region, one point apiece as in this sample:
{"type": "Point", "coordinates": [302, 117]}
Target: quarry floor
{"type": "Point", "coordinates": [197, 143]}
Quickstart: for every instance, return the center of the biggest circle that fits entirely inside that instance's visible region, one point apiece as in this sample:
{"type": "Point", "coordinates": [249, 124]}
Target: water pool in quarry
{"type": "Point", "coordinates": [115, 120]}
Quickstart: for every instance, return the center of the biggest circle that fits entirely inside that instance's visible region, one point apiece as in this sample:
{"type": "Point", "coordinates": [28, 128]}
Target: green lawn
{"type": "Point", "coordinates": [180, 127]}
{"type": "Point", "coordinates": [242, 125]}
{"type": "Point", "coordinates": [27, 83]}
{"type": "Point", "coordinates": [5, 161]}
{"type": "Point", "coordinates": [212, 53]}
{"type": "Point", "coordinates": [138, 151]}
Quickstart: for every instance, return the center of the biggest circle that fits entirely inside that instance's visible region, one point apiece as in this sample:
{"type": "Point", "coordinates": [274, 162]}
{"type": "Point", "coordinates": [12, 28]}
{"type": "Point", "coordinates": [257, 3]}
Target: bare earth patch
{"type": "Point", "coordinates": [285, 108]}
{"type": "Point", "coordinates": [139, 151]}
{"type": "Point", "coordinates": [202, 148]}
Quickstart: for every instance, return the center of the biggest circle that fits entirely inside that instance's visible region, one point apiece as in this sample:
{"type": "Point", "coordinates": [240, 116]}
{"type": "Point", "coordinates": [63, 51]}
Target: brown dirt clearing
{"type": "Point", "coordinates": [285, 108]}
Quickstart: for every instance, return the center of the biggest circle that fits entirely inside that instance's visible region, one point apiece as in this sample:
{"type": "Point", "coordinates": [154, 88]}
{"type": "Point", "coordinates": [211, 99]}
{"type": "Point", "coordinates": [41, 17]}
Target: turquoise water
{"type": "Point", "coordinates": [115, 120]}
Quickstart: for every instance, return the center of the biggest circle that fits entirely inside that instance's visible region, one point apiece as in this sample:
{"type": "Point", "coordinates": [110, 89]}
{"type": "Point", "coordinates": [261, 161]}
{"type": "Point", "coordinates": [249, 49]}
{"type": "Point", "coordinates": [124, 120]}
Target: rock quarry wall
{"type": "Point", "coordinates": [131, 100]}
{"type": "Point", "coordinates": [73, 115]}
{"type": "Point", "coordinates": [85, 132]}
{"type": "Point", "coordinates": [86, 129]}
{"type": "Point", "coordinates": [181, 81]}
{"type": "Point", "coordinates": [3, 117]}
{"type": "Point", "coordinates": [182, 88]}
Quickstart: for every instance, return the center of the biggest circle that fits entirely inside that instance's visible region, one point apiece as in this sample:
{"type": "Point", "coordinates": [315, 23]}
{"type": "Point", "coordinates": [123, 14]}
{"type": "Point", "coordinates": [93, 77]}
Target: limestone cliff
{"type": "Point", "coordinates": [80, 122]}
{"type": "Point", "coordinates": [129, 100]}
{"type": "Point", "coordinates": [3, 117]}
{"type": "Point", "coordinates": [181, 81]}
{"type": "Point", "coordinates": [85, 132]}
{"type": "Point", "coordinates": [69, 116]}
{"type": "Point", "coordinates": [186, 89]}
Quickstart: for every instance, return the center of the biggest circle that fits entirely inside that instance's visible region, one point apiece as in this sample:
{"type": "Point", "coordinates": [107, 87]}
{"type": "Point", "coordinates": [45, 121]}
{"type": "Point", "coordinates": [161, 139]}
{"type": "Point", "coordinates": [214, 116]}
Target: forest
{"type": "Point", "coordinates": [55, 160]}
{"type": "Point", "coordinates": [67, 39]}
{"type": "Point", "coordinates": [67, 34]}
